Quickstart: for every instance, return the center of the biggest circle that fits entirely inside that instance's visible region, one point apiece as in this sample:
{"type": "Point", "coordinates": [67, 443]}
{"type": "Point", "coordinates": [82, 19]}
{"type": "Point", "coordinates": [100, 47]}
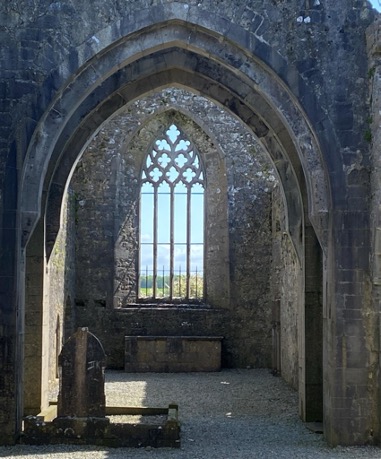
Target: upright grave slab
{"type": "Point", "coordinates": [82, 363]}
{"type": "Point", "coordinates": [80, 415]}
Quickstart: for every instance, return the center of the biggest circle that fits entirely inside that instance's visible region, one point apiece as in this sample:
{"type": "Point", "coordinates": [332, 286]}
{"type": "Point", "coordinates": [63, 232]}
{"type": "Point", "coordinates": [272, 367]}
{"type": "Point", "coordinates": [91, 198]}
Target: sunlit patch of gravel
{"type": "Point", "coordinates": [138, 419]}
{"type": "Point", "coordinates": [233, 414]}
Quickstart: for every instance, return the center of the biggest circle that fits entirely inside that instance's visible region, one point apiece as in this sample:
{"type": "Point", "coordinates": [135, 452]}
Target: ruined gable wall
{"type": "Point", "coordinates": [238, 246]}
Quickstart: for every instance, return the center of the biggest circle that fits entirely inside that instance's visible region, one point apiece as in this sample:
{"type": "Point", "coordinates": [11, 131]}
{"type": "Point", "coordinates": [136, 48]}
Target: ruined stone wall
{"type": "Point", "coordinates": [95, 232]}
{"type": "Point", "coordinates": [286, 293]}
{"type": "Point", "coordinates": [45, 44]}
{"type": "Point", "coordinates": [291, 300]}
{"type": "Point", "coordinates": [61, 287]}
{"type": "Point", "coordinates": [316, 48]}
{"type": "Point", "coordinates": [238, 226]}
{"type": "Point", "coordinates": [111, 326]}
{"type": "Point", "coordinates": [250, 187]}
{"type": "Point", "coordinates": [371, 312]}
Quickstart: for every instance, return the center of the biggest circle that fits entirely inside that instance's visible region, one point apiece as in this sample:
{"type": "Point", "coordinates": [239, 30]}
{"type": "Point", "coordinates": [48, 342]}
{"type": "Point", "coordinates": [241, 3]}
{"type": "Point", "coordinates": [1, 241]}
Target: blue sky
{"type": "Point", "coordinates": [180, 208]}
{"type": "Point", "coordinates": [180, 231]}
{"type": "Point", "coordinates": [376, 4]}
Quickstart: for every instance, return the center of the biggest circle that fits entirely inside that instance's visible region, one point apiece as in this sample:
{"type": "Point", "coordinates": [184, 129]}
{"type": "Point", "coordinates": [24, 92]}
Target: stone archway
{"type": "Point", "coordinates": [242, 85]}
{"type": "Point", "coordinates": [252, 92]}
{"type": "Point", "coordinates": [233, 158]}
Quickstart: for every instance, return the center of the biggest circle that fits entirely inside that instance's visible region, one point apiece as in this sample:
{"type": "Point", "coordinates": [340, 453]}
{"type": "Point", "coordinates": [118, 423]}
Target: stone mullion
{"type": "Point", "coordinates": [171, 245]}
{"type": "Point", "coordinates": [188, 241]}
{"type": "Point", "coordinates": [154, 267]}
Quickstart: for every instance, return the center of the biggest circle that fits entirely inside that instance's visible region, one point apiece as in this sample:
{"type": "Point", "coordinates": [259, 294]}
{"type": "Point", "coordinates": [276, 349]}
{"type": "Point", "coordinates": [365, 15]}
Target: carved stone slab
{"type": "Point", "coordinates": [82, 363]}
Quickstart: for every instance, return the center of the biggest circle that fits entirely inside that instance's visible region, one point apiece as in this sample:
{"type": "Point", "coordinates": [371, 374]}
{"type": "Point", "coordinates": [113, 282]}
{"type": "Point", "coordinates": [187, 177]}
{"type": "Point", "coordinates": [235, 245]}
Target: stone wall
{"type": "Point", "coordinates": [286, 293]}
{"type": "Point", "coordinates": [294, 69]}
{"type": "Point", "coordinates": [112, 325]}
{"type": "Point", "coordinates": [61, 286]}
{"type": "Point", "coordinates": [371, 310]}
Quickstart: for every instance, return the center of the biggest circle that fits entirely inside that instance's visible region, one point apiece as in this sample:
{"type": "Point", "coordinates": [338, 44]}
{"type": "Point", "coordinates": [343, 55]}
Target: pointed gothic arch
{"type": "Point", "coordinates": [57, 150]}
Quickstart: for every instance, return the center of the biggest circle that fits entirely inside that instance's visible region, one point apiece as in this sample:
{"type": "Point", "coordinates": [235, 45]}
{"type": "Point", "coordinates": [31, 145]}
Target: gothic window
{"type": "Point", "coordinates": [171, 232]}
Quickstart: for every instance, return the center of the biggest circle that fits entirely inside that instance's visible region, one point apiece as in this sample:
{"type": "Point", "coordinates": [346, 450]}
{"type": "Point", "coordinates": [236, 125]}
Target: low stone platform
{"type": "Point", "coordinates": [46, 428]}
{"type": "Point", "coordinates": [171, 354]}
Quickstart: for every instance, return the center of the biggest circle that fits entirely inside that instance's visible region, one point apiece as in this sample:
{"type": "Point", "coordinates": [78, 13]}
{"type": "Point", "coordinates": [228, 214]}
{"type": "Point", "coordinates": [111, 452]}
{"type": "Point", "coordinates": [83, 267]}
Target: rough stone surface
{"type": "Point", "coordinates": [82, 363]}
{"type": "Point", "coordinates": [305, 80]}
{"type": "Point", "coordinates": [61, 291]}
{"type": "Point", "coordinates": [286, 286]}
{"type": "Point", "coordinates": [239, 179]}
{"type": "Point", "coordinates": [172, 354]}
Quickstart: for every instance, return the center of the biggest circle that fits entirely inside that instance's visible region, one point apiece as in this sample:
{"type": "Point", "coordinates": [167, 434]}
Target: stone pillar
{"type": "Point", "coordinates": [313, 317]}
{"type": "Point", "coordinates": [350, 343]}
{"type": "Point", "coordinates": [11, 333]}
{"type": "Point", "coordinates": [34, 278]}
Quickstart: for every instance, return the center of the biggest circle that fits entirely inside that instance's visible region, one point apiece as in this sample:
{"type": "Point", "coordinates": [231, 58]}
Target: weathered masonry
{"type": "Point", "coordinates": [258, 123]}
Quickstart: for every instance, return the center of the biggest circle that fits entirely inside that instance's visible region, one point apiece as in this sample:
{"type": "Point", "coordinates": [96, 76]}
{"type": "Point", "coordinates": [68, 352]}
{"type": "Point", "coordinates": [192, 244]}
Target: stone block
{"type": "Point", "coordinates": [172, 353]}
{"type": "Point", "coordinates": [82, 361]}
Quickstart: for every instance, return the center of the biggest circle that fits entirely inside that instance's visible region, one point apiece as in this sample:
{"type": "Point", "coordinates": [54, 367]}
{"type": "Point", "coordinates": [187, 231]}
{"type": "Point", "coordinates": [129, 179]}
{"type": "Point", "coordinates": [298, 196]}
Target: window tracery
{"type": "Point", "coordinates": [171, 235]}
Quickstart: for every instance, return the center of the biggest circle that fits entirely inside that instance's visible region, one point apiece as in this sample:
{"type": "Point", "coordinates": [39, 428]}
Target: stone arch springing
{"type": "Point", "coordinates": [306, 145]}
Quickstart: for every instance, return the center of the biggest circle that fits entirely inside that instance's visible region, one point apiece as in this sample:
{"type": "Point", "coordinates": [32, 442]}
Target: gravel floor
{"type": "Point", "coordinates": [234, 414]}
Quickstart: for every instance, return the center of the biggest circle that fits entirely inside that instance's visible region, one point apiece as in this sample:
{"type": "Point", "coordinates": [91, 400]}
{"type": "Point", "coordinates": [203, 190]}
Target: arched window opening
{"type": "Point", "coordinates": [171, 235]}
